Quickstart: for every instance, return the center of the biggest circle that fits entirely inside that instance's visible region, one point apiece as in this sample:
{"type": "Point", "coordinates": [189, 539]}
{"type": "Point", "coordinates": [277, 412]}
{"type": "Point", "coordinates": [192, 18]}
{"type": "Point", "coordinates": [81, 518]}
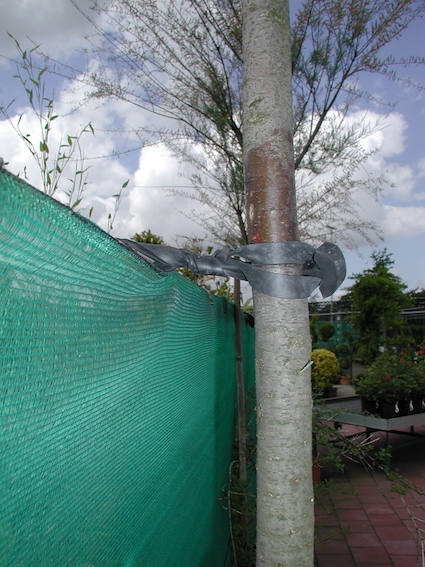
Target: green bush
{"type": "Point", "coordinates": [393, 377]}
{"type": "Point", "coordinates": [325, 371]}
{"type": "Point", "coordinates": [326, 331]}
{"type": "Point", "coordinates": [343, 353]}
{"type": "Point", "coordinates": [313, 332]}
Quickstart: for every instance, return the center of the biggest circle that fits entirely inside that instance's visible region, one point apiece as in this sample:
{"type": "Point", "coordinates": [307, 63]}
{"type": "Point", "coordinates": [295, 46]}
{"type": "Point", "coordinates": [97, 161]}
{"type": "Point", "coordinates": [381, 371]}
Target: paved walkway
{"type": "Point", "coordinates": [361, 523]}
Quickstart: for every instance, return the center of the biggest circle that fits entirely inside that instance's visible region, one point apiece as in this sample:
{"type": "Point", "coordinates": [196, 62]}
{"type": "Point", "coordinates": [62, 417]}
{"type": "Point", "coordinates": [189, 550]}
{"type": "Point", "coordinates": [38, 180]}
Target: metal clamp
{"type": "Point", "coordinates": [322, 268]}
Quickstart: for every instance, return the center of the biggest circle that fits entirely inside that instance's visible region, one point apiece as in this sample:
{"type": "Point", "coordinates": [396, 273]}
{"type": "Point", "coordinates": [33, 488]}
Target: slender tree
{"type": "Point", "coordinates": [55, 159]}
{"type": "Point", "coordinates": [182, 61]}
{"type": "Point", "coordinates": [284, 419]}
{"type": "Point", "coordinates": [59, 156]}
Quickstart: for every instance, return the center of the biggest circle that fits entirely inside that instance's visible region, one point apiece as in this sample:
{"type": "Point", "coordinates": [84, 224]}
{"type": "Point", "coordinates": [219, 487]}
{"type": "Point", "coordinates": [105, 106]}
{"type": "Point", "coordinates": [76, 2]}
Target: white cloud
{"type": "Point", "coordinates": [148, 204]}
{"type": "Point", "coordinates": [56, 24]}
{"type": "Point", "coordinates": [404, 179]}
{"type": "Point", "coordinates": [144, 204]}
{"type": "Point", "coordinates": [401, 222]}
{"type": "Point", "coordinates": [395, 221]}
{"type": "Point", "coordinates": [392, 212]}
{"type": "Point", "coordinates": [389, 143]}
{"type": "Point", "coordinates": [15, 154]}
{"type": "Point", "coordinates": [389, 132]}
{"type": "Point", "coordinates": [152, 206]}
{"type": "Point", "coordinates": [421, 167]}
{"type": "Point", "coordinates": [391, 139]}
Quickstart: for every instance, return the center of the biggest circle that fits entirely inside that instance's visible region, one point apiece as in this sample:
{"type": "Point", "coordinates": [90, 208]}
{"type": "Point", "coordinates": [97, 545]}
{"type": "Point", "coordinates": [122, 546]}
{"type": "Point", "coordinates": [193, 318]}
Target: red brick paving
{"type": "Point", "coordinates": [360, 523]}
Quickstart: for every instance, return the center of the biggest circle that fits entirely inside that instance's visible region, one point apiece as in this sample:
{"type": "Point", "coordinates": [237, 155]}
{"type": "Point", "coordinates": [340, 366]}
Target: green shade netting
{"type": "Point", "coordinates": [118, 399]}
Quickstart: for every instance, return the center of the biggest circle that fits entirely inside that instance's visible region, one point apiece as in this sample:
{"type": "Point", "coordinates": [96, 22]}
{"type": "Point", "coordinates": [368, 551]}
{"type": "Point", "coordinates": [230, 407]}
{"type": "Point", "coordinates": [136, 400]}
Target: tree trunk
{"type": "Point", "coordinates": [285, 517]}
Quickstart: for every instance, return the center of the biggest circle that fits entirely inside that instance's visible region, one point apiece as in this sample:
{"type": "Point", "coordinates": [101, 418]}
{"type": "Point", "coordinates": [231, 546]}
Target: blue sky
{"type": "Point", "coordinates": [58, 26]}
{"type": "Point", "coordinates": [404, 230]}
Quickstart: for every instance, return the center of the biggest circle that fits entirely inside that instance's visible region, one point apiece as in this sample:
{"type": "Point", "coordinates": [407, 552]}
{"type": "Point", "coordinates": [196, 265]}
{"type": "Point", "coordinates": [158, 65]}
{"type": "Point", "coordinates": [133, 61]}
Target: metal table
{"type": "Point", "coordinates": [371, 423]}
{"type": "Point", "coordinates": [378, 423]}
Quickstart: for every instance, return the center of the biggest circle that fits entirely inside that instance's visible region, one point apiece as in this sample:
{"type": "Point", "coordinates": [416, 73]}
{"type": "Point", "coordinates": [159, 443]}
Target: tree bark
{"type": "Point", "coordinates": [285, 517]}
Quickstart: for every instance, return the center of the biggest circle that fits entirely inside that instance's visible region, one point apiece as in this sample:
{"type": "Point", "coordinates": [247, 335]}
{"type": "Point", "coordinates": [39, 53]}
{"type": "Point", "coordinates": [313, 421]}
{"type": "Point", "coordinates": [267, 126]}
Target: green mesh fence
{"type": "Point", "coordinates": [118, 399]}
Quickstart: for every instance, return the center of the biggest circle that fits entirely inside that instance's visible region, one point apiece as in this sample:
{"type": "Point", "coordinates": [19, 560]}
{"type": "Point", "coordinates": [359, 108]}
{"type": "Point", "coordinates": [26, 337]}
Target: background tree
{"type": "Point", "coordinates": [182, 61]}
{"type": "Point", "coordinates": [326, 331]}
{"type": "Point", "coordinates": [378, 298]}
{"type": "Point", "coordinates": [148, 237]}
{"type": "Point", "coordinates": [416, 322]}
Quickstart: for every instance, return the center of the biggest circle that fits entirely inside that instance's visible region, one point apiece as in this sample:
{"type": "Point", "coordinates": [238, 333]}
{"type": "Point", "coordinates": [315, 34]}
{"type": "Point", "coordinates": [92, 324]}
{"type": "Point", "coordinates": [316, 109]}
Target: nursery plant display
{"type": "Point", "coordinates": [394, 384]}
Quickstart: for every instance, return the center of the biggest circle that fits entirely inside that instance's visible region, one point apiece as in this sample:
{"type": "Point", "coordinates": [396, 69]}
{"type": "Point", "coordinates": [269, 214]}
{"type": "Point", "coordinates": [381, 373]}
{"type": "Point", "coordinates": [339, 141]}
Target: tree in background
{"type": "Point", "coordinates": [148, 237]}
{"type": "Point", "coordinates": [219, 286]}
{"type": "Point", "coordinates": [182, 61]}
{"type": "Point", "coordinates": [378, 297]}
{"type": "Point", "coordinates": [326, 331]}
{"type": "Point", "coordinates": [416, 321]}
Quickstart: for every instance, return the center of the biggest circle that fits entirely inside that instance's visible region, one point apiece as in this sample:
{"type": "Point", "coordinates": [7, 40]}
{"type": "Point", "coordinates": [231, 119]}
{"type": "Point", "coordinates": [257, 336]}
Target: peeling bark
{"type": "Point", "coordinates": [265, 168]}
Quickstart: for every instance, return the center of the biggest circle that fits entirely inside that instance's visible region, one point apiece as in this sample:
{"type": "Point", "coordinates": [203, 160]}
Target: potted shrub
{"type": "Point", "coordinates": [393, 385]}
{"type": "Point", "coordinates": [345, 380]}
{"type": "Point", "coordinates": [325, 370]}
{"type": "Point", "coordinates": [343, 353]}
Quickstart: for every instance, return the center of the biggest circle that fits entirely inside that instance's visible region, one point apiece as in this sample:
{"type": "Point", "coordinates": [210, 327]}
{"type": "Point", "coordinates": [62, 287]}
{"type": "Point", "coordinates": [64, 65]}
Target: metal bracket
{"type": "Point", "coordinates": [323, 267]}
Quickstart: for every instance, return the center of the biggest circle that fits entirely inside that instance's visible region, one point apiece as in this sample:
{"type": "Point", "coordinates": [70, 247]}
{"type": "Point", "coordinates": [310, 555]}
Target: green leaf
{"type": "Point", "coordinates": [30, 95]}
{"type": "Point", "coordinates": [42, 72]}
{"type": "Point", "coordinates": [44, 147]}
{"type": "Point", "coordinates": [76, 203]}
{"type": "Point", "coordinates": [126, 183]}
